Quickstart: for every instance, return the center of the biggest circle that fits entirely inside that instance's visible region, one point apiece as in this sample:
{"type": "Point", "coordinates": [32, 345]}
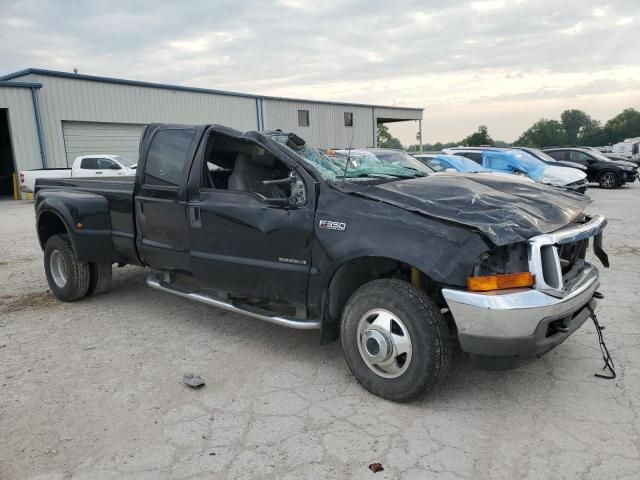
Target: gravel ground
{"type": "Point", "coordinates": [92, 390]}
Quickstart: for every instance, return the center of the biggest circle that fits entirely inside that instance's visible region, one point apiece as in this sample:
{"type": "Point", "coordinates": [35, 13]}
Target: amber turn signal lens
{"type": "Point", "coordinates": [500, 282]}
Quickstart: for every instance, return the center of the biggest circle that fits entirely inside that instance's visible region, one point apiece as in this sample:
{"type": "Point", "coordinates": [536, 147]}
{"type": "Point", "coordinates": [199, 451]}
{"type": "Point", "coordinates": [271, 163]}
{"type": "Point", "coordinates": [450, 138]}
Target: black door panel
{"type": "Point", "coordinates": [249, 248]}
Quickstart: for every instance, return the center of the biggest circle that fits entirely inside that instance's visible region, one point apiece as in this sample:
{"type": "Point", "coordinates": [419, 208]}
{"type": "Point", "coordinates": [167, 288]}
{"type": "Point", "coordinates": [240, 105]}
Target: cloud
{"type": "Point", "coordinates": [444, 56]}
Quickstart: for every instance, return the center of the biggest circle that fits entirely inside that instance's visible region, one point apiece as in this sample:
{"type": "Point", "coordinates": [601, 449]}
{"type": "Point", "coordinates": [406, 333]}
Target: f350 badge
{"type": "Point", "coordinates": [330, 225]}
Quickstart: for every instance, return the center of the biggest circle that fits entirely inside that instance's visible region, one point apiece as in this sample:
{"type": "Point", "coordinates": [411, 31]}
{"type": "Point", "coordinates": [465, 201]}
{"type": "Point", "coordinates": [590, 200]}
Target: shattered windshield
{"type": "Point", "coordinates": [327, 168]}
{"type": "Point", "coordinates": [380, 163]}
{"type": "Point", "coordinates": [333, 164]}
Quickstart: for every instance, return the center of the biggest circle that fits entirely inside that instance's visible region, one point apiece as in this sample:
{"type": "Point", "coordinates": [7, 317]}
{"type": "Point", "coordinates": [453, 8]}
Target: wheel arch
{"type": "Point", "coordinates": [50, 223]}
{"type": "Point", "coordinates": [354, 272]}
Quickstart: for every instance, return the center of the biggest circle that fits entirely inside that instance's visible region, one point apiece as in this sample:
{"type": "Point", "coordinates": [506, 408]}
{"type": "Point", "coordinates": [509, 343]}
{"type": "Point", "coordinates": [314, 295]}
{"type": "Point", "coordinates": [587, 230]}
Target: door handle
{"type": "Point", "coordinates": [98, 173]}
{"type": "Point", "coordinates": [194, 217]}
{"type": "Point", "coordinates": [141, 207]}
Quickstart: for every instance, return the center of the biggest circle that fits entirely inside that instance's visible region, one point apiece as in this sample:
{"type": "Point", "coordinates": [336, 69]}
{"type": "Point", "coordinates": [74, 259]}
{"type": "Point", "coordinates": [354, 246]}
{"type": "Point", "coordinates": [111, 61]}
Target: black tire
{"type": "Point", "coordinates": [75, 283]}
{"type": "Point", "coordinates": [431, 353]}
{"type": "Point", "coordinates": [99, 278]}
{"type": "Point", "coordinates": [609, 180]}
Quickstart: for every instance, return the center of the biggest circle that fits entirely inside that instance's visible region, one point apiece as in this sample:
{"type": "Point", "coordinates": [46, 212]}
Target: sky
{"type": "Point", "coordinates": [504, 64]}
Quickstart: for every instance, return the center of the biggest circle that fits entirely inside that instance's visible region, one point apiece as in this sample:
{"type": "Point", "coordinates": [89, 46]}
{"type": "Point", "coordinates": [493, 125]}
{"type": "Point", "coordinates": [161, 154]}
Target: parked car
{"type": "Point", "coordinates": [606, 172]}
{"type": "Point", "coordinates": [396, 265]}
{"type": "Point", "coordinates": [83, 166]}
{"type": "Point", "coordinates": [549, 160]}
{"type": "Point", "coordinates": [444, 162]}
{"type": "Point", "coordinates": [522, 163]}
{"type": "Point", "coordinates": [613, 156]}
{"type": "Point", "coordinates": [629, 148]}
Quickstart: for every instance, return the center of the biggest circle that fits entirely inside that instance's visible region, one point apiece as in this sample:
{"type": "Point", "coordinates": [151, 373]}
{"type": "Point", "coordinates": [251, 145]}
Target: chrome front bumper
{"type": "Point", "coordinates": [531, 321]}
{"type": "Point", "coordinates": [517, 313]}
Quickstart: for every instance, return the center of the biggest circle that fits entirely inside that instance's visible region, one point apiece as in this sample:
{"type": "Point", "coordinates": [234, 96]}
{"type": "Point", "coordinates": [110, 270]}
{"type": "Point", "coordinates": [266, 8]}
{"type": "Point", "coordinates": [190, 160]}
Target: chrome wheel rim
{"type": "Point", "coordinates": [58, 269]}
{"type": "Point", "coordinates": [384, 343]}
{"type": "Point", "coordinates": [608, 180]}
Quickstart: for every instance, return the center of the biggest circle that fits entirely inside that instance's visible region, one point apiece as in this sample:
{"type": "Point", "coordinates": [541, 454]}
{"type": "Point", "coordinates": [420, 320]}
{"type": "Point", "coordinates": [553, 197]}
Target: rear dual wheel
{"type": "Point", "coordinates": [70, 279]}
{"type": "Point", "coordinates": [395, 340]}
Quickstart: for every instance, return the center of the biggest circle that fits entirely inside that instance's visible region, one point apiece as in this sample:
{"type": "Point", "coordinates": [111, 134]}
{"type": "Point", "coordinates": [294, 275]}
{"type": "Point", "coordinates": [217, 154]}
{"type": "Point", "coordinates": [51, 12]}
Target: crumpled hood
{"type": "Point", "coordinates": [505, 209]}
{"type": "Point", "coordinates": [559, 176]}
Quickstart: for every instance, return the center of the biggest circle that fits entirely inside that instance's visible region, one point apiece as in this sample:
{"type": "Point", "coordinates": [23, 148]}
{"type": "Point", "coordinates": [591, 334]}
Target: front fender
{"type": "Point", "coordinates": [86, 219]}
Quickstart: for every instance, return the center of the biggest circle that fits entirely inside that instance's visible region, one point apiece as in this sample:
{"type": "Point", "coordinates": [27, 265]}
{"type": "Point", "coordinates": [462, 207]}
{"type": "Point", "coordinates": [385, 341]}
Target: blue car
{"type": "Point", "coordinates": [442, 163]}
{"type": "Point", "coordinates": [523, 163]}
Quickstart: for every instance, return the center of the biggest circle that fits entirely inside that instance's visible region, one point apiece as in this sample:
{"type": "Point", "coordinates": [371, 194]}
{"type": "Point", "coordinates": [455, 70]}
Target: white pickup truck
{"type": "Point", "coordinates": [83, 166]}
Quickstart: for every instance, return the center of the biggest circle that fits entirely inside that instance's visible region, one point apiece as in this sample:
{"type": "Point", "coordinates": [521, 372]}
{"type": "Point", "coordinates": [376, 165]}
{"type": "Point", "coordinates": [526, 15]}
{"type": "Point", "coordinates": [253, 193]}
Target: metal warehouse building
{"type": "Point", "coordinates": [47, 118]}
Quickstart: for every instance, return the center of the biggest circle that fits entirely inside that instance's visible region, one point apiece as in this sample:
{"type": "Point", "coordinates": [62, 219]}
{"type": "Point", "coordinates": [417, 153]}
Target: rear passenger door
{"type": "Point", "coordinates": [162, 230]}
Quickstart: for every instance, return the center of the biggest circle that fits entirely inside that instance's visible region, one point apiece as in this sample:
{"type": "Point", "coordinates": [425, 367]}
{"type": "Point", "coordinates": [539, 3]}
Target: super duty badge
{"type": "Point", "coordinates": [329, 225]}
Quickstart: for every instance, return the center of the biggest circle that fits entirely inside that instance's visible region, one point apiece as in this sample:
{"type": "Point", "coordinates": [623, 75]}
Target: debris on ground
{"type": "Point", "coordinates": [194, 381]}
{"type": "Point", "coordinates": [376, 467]}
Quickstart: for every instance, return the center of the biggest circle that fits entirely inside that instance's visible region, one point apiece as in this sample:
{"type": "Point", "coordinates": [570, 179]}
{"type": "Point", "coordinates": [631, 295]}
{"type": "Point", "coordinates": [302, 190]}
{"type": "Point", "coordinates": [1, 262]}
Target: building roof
{"type": "Point", "coordinates": [138, 83]}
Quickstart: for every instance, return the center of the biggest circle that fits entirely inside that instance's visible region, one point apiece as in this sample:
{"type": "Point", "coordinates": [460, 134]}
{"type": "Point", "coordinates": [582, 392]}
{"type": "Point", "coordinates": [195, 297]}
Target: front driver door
{"type": "Point", "coordinates": [246, 246]}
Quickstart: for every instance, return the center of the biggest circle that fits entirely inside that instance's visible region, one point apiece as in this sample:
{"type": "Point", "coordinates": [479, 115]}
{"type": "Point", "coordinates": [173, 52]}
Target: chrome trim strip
{"type": "Point", "coordinates": [154, 282]}
{"type": "Point", "coordinates": [537, 266]}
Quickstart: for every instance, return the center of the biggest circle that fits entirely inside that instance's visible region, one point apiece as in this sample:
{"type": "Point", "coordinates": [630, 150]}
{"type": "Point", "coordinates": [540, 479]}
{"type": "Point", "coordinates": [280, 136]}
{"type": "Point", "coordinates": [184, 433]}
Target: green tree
{"type": "Point", "coordinates": [386, 140]}
{"type": "Point", "coordinates": [578, 126]}
{"type": "Point", "coordinates": [543, 133]}
{"type": "Point", "coordinates": [481, 137]}
{"type": "Point", "coordinates": [624, 125]}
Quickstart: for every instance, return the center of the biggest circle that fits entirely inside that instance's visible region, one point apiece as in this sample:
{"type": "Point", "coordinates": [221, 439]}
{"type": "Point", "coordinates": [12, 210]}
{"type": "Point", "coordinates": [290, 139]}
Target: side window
{"type": "Point", "coordinates": [580, 157]}
{"type": "Point", "coordinates": [475, 156]}
{"type": "Point", "coordinates": [499, 163]}
{"type": "Point", "coordinates": [89, 163]}
{"type": "Point", "coordinates": [348, 119]}
{"type": "Point", "coordinates": [167, 157]}
{"type": "Point", "coordinates": [238, 165]}
{"type": "Point", "coordinates": [107, 164]}
{"type": "Point", "coordinates": [303, 118]}
{"type": "Point", "coordinates": [558, 154]}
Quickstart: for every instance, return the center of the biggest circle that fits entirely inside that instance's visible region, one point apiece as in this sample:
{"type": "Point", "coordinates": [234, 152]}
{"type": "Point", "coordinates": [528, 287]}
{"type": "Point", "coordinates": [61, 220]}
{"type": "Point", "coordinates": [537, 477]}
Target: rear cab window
{"type": "Point", "coordinates": [89, 163]}
{"type": "Point", "coordinates": [167, 157]}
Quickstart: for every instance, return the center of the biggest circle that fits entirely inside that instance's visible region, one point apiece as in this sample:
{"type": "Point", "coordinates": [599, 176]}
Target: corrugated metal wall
{"type": "Point", "coordinates": [22, 123]}
{"type": "Point", "coordinates": [66, 99]}
{"type": "Point", "coordinates": [326, 122]}
{"type": "Point", "coordinates": [81, 100]}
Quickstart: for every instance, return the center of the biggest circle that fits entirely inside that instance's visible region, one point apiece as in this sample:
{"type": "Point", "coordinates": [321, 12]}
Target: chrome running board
{"type": "Point", "coordinates": [154, 282]}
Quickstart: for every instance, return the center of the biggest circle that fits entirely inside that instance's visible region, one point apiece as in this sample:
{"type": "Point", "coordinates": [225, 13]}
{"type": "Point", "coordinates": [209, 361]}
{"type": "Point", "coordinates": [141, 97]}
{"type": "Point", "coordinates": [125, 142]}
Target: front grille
{"type": "Point", "coordinates": [571, 257]}
{"type": "Point", "coordinates": [557, 258]}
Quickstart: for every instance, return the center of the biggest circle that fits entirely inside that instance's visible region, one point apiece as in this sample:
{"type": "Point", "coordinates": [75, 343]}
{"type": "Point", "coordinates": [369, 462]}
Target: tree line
{"type": "Point", "coordinates": [575, 128]}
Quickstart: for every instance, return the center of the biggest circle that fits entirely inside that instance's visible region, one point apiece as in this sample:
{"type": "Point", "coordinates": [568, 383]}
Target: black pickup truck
{"type": "Point", "coordinates": [400, 263]}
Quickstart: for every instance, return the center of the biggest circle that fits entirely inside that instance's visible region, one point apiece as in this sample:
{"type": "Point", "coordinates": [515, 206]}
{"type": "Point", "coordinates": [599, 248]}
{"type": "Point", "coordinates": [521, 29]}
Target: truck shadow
{"type": "Point", "coordinates": [300, 351]}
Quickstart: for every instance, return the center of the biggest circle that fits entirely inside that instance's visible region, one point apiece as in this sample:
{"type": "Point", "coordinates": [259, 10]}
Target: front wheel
{"type": "Point", "coordinates": [608, 180]}
{"type": "Point", "coordinates": [395, 340]}
{"type": "Point", "coordinates": [67, 277]}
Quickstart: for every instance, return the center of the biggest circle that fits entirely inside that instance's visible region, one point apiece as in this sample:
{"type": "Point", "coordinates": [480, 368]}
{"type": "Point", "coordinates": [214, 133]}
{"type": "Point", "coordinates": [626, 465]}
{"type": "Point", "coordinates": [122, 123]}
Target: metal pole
{"type": "Point", "coordinates": [420, 131]}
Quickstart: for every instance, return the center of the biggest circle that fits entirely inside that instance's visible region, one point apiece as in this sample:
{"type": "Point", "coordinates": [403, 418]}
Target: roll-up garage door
{"type": "Point", "coordinates": [84, 138]}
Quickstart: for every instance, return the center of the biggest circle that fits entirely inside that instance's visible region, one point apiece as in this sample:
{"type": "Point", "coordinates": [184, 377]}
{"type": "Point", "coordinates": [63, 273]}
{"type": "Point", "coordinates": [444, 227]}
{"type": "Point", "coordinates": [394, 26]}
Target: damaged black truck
{"type": "Point", "coordinates": [399, 263]}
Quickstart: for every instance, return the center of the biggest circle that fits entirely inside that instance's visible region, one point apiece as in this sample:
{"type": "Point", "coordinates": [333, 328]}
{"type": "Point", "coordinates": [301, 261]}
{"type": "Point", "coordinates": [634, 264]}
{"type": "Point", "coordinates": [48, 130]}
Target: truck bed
{"type": "Point", "coordinates": [118, 192]}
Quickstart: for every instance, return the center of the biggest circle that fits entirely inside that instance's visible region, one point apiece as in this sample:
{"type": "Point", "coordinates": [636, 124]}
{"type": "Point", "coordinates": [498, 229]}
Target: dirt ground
{"type": "Point", "coordinates": [92, 390]}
